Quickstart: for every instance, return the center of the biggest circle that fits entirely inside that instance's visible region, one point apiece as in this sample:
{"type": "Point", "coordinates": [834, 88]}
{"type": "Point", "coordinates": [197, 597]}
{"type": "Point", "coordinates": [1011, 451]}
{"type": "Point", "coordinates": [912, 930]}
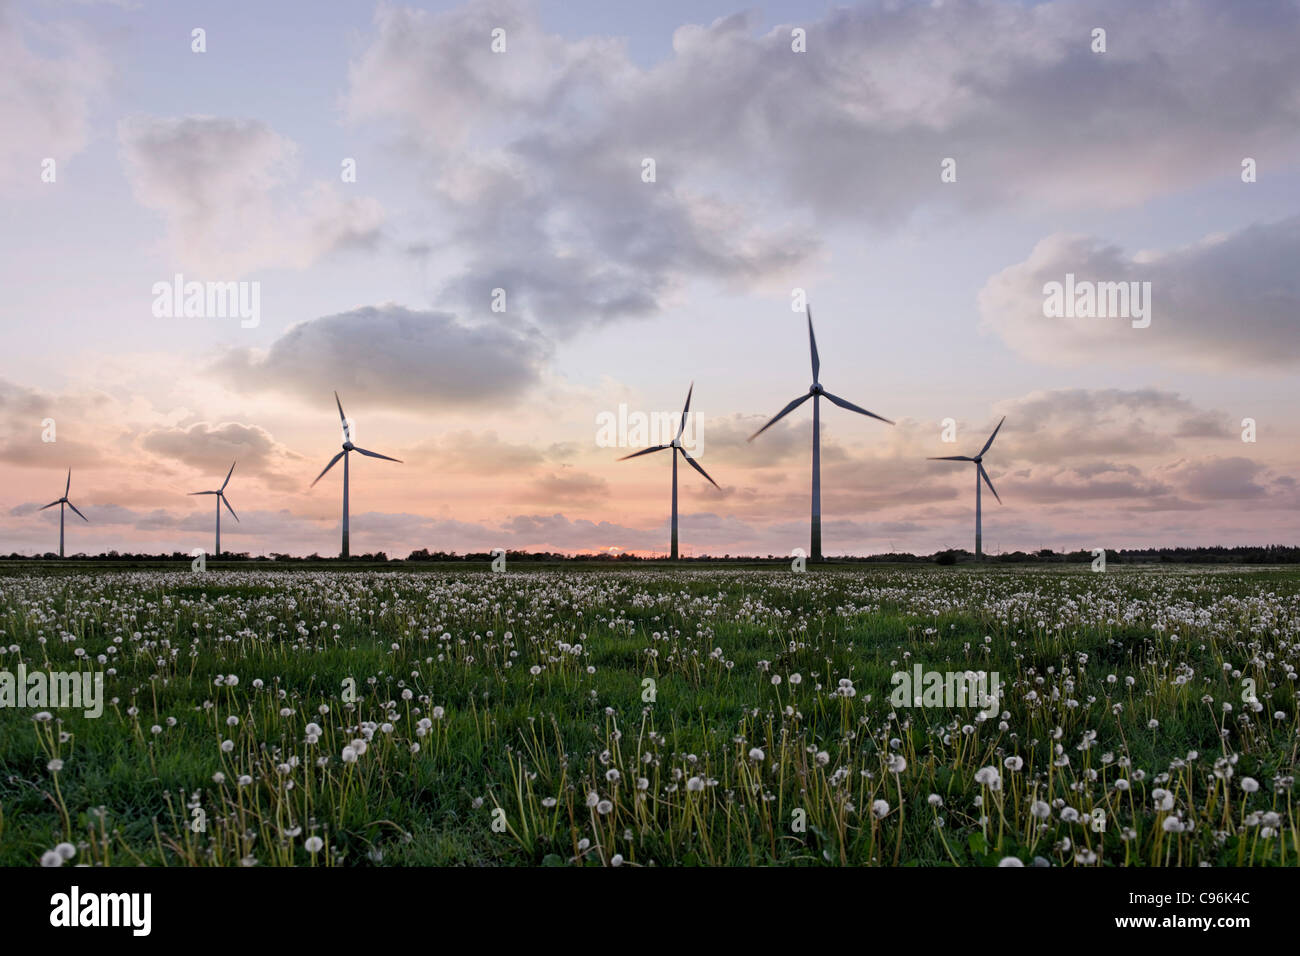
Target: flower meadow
{"type": "Point", "coordinates": [653, 717]}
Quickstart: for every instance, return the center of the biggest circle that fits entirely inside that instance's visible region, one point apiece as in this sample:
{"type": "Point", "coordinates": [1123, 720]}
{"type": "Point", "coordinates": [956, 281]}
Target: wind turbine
{"type": "Point", "coordinates": [816, 392]}
{"type": "Point", "coordinates": [64, 501]}
{"type": "Point", "coordinates": [347, 447]}
{"type": "Point", "coordinates": [979, 473]}
{"type": "Point", "coordinates": [221, 496]}
{"type": "Point", "coordinates": [676, 446]}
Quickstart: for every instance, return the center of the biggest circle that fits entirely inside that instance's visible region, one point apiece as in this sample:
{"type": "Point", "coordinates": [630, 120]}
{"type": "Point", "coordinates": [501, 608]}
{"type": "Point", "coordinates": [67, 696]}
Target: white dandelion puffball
{"type": "Point", "coordinates": [1011, 861]}
{"type": "Point", "coordinates": [880, 809]}
{"type": "Point", "coordinates": [313, 844]}
{"type": "Point", "coordinates": [756, 754]}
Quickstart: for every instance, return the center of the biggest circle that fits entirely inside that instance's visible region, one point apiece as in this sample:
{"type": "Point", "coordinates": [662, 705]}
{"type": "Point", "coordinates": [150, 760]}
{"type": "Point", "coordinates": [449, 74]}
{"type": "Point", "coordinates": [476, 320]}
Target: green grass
{"type": "Point", "coordinates": [504, 775]}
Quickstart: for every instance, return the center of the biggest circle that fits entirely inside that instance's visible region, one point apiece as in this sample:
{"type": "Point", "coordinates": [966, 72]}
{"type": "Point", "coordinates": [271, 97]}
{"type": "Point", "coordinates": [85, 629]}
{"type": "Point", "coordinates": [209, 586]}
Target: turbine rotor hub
{"type": "Point", "coordinates": [816, 389]}
{"type": "Point", "coordinates": [348, 446]}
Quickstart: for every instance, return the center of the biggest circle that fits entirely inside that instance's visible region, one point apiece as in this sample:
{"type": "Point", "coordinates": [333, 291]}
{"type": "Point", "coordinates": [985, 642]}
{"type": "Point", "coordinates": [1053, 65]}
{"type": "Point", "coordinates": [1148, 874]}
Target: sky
{"type": "Point", "coordinates": [496, 227]}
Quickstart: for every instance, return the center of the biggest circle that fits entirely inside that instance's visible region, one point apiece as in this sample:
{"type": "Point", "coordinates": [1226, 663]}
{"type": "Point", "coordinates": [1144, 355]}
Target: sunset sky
{"type": "Point", "coordinates": [522, 170]}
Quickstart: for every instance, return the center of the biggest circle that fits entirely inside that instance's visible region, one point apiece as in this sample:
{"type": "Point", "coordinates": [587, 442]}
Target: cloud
{"type": "Point", "coordinates": [211, 447]}
{"type": "Point", "coordinates": [23, 413]}
{"type": "Point", "coordinates": [533, 156]}
{"type": "Point", "coordinates": [573, 487]}
{"type": "Point", "coordinates": [396, 357]}
{"type": "Point", "coordinates": [217, 183]}
{"type": "Point", "coordinates": [1227, 302]}
{"type": "Point", "coordinates": [1218, 479]}
{"type": "Point", "coordinates": [1094, 482]}
{"type": "Point", "coordinates": [561, 532]}
{"type": "Point", "coordinates": [1058, 424]}
{"type": "Point", "coordinates": [537, 190]}
{"type": "Point", "coordinates": [45, 98]}
{"type": "Point", "coordinates": [478, 453]}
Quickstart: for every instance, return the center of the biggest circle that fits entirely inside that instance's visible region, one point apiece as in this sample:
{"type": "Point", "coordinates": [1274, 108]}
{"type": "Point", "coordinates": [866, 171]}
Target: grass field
{"type": "Point", "coordinates": [653, 717]}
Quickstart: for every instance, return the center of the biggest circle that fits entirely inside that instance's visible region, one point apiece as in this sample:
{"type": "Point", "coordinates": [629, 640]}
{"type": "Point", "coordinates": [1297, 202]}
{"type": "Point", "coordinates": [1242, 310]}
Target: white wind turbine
{"type": "Point", "coordinates": [979, 473]}
{"type": "Point", "coordinates": [347, 447]}
{"type": "Point", "coordinates": [221, 497]}
{"type": "Point", "coordinates": [64, 501]}
{"type": "Point", "coordinates": [676, 446]}
{"type": "Point", "coordinates": [816, 392]}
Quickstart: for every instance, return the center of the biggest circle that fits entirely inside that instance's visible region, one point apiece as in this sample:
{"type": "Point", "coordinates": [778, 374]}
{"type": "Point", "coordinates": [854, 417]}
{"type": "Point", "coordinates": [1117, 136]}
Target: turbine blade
{"type": "Point", "coordinates": [375, 454]}
{"type": "Point", "coordinates": [644, 451]}
{"type": "Point", "coordinates": [854, 408]}
{"type": "Point", "coordinates": [228, 474]}
{"type": "Point", "coordinates": [696, 465]}
{"type": "Point", "coordinates": [682, 428]}
{"type": "Point", "coordinates": [952, 458]}
{"type": "Point", "coordinates": [228, 508]}
{"type": "Point", "coordinates": [985, 475]}
{"type": "Point", "coordinates": [79, 514]}
{"type": "Point", "coordinates": [991, 437]}
{"type": "Point", "coordinates": [68, 486]}
{"type": "Point", "coordinates": [205, 492]}
{"type": "Point", "coordinates": [347, 435]}
{"type": "Point", "coordinates": [781, 414]}
{"type": "Point", "coordinates": [812, 346]}
{"type": "Point", "coordinates": [51, 504]}
{"type": "Point", "coordinates": [333, 461]}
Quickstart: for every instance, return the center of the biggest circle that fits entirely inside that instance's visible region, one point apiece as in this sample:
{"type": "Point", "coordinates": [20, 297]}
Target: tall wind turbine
{"type": "Point", "coordinates": [221, 497]}
{"type": "Point", "coordinates": [64, 501]}
{"type": "Point", "coordinates": [979, 473]}
{"type": "Point", "coordinates": [816, 392]}
{"type": "Point", "coordinates": [347, 447]}
{"type": "Point", "coordinates": [676, 446]}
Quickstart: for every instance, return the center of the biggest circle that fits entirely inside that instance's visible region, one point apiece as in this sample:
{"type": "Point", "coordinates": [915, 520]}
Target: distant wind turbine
{"type": "Point", "coordinates": [221, 497]}
{"type": "Point", "coordinates": [676, 446]}
{"type": "Point", "coordinates": [64, 501]}
{"type": "Point", "coordinates": [816, 392]}
{"type": "Point", "coordinates": [347, 447]}
{"type": "Point", "coordinates": [979, 473]}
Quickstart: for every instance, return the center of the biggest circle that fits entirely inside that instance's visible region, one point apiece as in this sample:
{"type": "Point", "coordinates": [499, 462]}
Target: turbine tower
{"type": "Point", "coordinates": [64, 501]}
{"type": "Point", "coordinates": [816, 392]}
{"type": "Point", "coordinates": [221, 497]}
{"type": "Point", "coordinates": [676, 446]}
{"type": "Point", "coordinates": [979, 473]}
{"type": "Point", "coordinates": [347, 447]}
